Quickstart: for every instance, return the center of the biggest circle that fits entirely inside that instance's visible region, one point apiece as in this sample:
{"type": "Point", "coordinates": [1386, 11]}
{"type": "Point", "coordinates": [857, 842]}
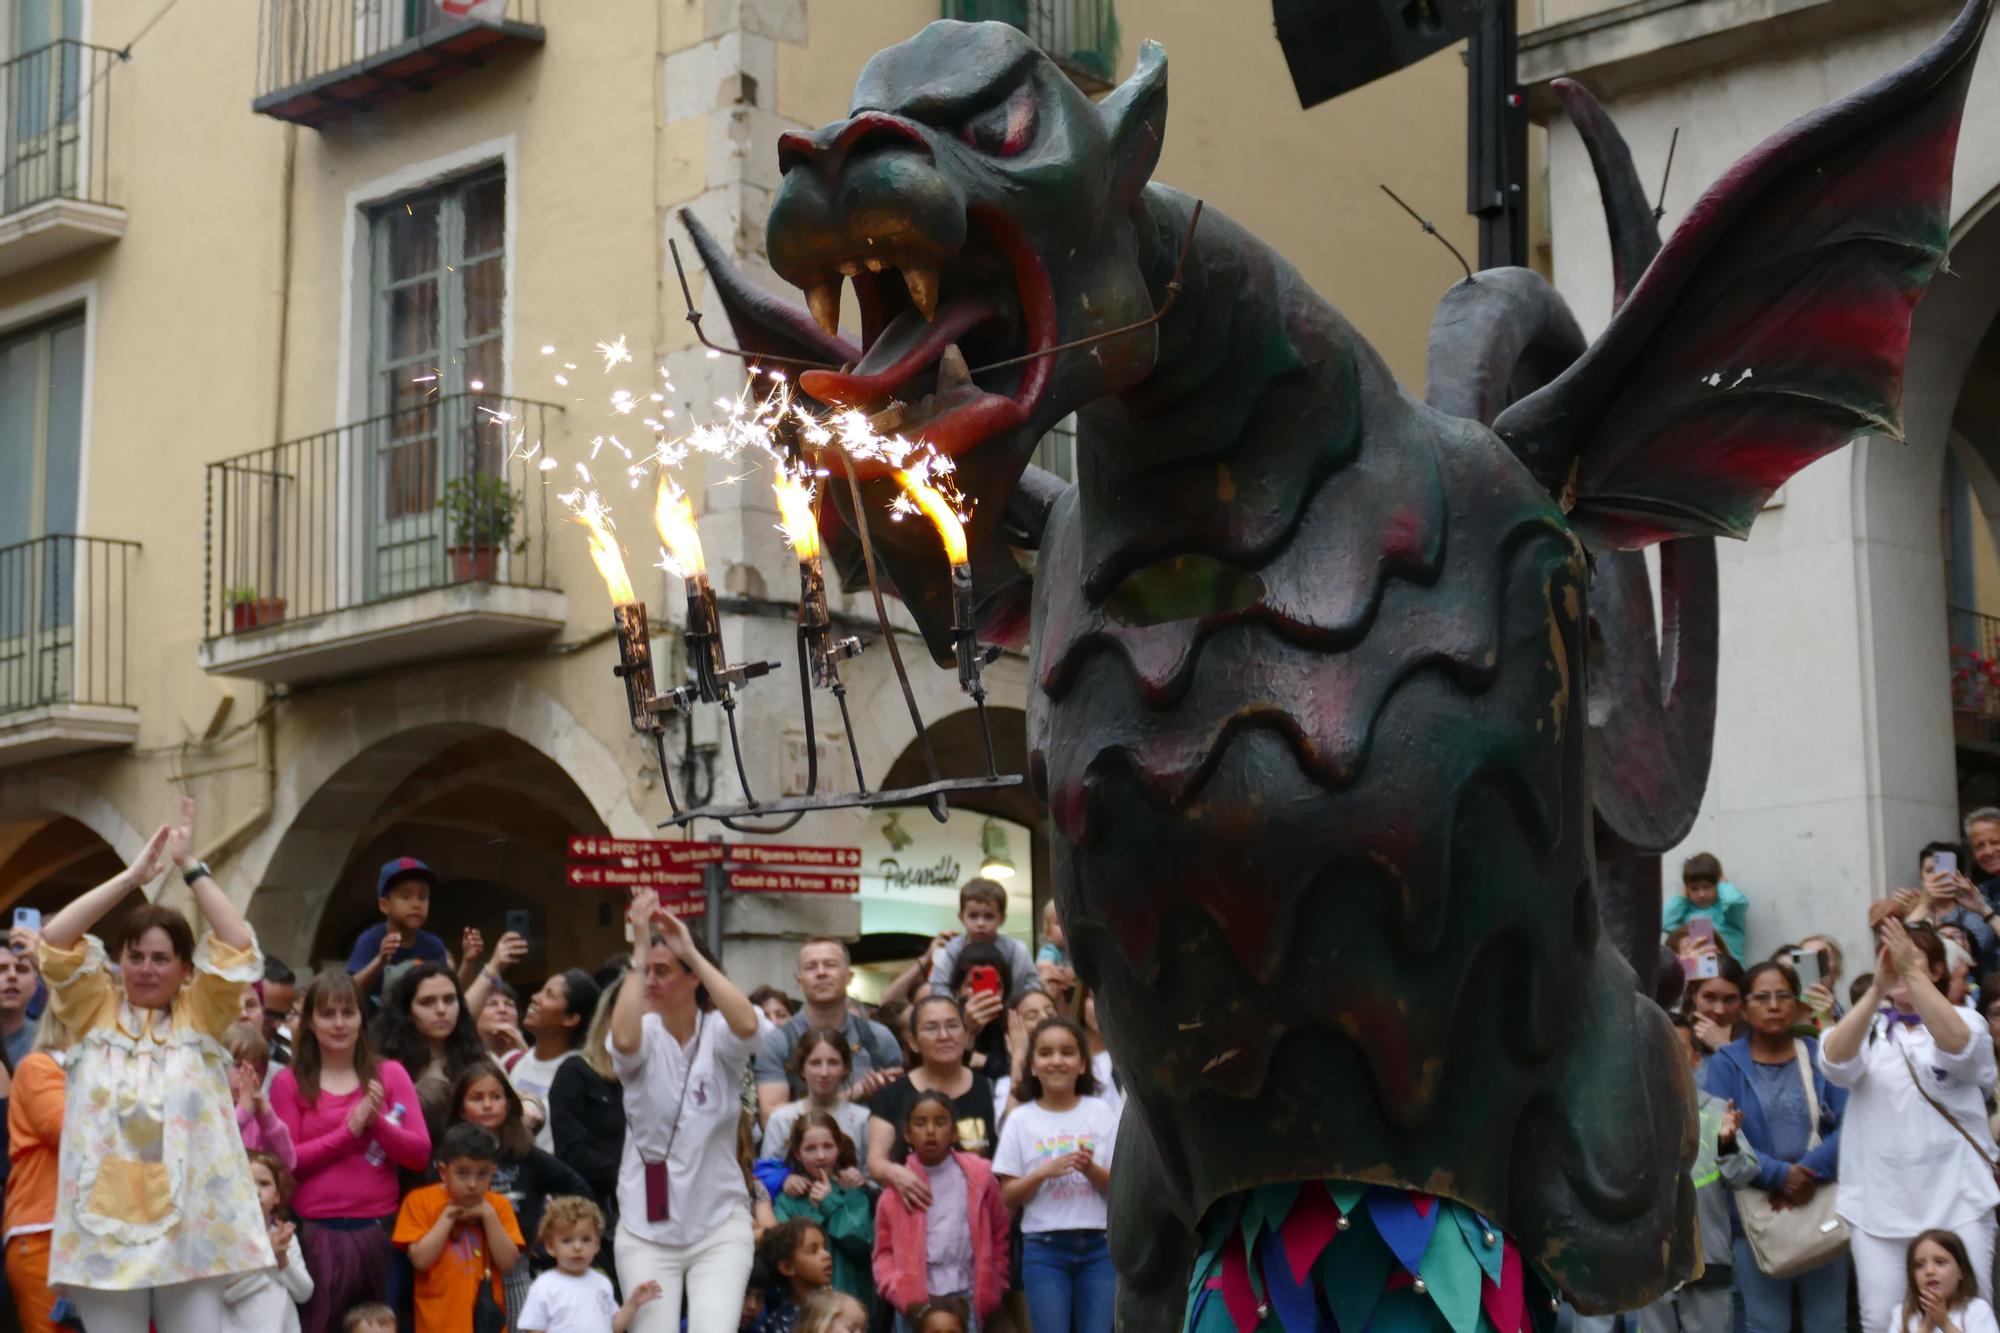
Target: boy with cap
{"type": "Point", "coordinates": [403, 892]}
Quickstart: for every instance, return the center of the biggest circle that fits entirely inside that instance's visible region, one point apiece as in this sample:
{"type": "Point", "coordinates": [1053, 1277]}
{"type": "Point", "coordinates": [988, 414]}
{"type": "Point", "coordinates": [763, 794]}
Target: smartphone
{"type": "Point", "coordinates": [1706, 966]}
{"type": "Point", "coordinates": [1701, 928]}
{"type": "Point", "coordinates": [1822, 964]}
{"type": "Point", "coordinates": [984, 980]}
{"type": "Point", "coordinates": [1944, 863]}
{"type": "Point", "coordinates": [517, 922]}
{"type": "Point", "coordinates": [31, 917]}
{"type": "Point", "coordinates": [656, 1191]}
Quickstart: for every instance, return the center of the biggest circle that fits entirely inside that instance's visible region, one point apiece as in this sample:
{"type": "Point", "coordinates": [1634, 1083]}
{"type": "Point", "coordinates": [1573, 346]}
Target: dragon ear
{"type": "Point", "coordinates": [1773, 326]}
{"type": "Point", "coordinates": [764, 323]}
{"type": "Point", "coordinates": [1135, 121]}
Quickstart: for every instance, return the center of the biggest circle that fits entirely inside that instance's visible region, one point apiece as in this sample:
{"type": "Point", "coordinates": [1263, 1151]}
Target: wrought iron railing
{"type": "Point", "coordinates": [1079, 35]}
{"type": "Point", "coordinates": [55, 125]}
{"type": "Point", "coordinates": [303, 40]}
{"type": "Point", "coordinates": [63, 622]}
{"type": "Point", "coordinates": [1975, 675]}
{"type": "Point", "coordinates": [447, 492]}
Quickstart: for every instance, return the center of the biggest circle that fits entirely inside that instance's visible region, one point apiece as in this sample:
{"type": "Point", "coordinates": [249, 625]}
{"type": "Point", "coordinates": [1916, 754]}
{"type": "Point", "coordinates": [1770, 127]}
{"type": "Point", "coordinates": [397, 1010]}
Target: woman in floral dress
{"type": "Point", "coordinates": [155, 1209]}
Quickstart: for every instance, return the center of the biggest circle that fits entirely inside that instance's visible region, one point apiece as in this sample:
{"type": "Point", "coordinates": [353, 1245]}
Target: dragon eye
{"type": "Point", "coordinates": [1004, 130]}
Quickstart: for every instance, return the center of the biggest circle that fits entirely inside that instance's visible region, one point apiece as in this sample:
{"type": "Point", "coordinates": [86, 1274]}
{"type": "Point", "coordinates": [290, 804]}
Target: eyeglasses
{"type": "Point", "coordinates": [1773, 997]}
{"type": "Point", "coordinates": [940, 1029]}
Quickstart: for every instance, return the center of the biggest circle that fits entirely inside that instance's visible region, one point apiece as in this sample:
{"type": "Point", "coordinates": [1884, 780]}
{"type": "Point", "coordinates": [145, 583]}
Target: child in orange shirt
{"type": "Point", "coordinates": [459, 1233]}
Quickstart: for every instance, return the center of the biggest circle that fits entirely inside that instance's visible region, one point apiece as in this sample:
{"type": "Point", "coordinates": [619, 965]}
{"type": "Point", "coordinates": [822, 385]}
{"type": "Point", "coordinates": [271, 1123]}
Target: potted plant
{"type": "Point", "coordinates": [481, 508]}
{"type": "Point", "coordinates": [249, 611]}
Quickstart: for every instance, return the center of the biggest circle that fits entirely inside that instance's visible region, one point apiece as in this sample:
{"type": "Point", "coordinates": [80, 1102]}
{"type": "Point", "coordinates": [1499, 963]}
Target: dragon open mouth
{"type": "Point", "coordinates": [990, 303]}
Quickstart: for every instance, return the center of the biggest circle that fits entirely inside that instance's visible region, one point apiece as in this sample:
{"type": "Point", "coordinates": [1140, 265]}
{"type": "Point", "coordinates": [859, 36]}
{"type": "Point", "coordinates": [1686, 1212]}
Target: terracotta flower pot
{"type": "Point", "coordinates": [473, 564]}
{"type": "Point", "coordinates": [256, 613]}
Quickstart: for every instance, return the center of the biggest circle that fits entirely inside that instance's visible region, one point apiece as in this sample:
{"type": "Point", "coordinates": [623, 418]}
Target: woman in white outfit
{"type": "Point", "coordinates": [1915, 1150]}
{"type": "Point", "coordinates": [681, 1038]}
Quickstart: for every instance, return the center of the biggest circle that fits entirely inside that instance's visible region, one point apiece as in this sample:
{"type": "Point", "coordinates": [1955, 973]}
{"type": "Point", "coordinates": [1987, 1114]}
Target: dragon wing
{"type": "Point", "coordinates": [1772, 327]}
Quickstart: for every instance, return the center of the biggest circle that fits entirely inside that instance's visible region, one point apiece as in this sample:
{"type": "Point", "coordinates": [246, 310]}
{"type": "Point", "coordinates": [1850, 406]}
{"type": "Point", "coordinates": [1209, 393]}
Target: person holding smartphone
{"type": "Point", "coordinates": [681, 1037]}
{"type": "Point", "coordinates": [19, 980]}
{"type": "Point", "coordinates": [1948, 898]}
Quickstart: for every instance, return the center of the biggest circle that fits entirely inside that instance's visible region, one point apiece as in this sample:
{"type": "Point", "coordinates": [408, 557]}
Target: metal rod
{"type": "Point", "coordinates": [666, 774]}
{"type": "Point", "coordinates": [940, 810]}
{"type": "Point", "coordinates": [736, 749]}
{"type": "Point", "coordinates": [986, 731]}
{"type": "Point", "coordinates": [1660, 209]}
{"type": "Point", "coordinates": [694, 318]}
{"type": "Point", "coordinates": [1430, 228]}
{"type": "Point", "coordinates": [925, 794]}
{"type": "Point", "coordinates": [1173, 294]}
{"type": "Point", "coordinates": [847, 729]}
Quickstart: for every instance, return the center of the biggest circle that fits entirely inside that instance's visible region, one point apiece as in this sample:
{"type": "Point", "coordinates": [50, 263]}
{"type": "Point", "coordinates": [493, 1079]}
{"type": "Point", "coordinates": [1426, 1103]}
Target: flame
{"type": "Point", "coordinates": [795, 514]}
{"type": "Point", "coordinates": [935, 507]}
{"type": "Point", "coordinates": [590, 512]}
{"type": "Point", "coordinates": [673, 515]}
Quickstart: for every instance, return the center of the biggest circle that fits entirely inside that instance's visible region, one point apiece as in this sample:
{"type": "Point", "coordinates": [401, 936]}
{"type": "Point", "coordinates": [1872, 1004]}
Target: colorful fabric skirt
{"type": "Point", "coordinates": [1342, 1256]}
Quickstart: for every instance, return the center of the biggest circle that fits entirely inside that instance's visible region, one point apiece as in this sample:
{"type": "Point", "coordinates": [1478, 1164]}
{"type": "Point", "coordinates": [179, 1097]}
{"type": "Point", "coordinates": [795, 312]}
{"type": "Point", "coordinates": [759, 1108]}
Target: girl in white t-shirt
{"type": "Point", "coordinates": [1942, 1292]}
{"type": "Point", "coordinates": [1054, 1165]}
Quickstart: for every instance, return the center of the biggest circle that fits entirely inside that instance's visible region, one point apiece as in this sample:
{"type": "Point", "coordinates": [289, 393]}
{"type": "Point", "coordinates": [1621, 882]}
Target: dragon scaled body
{"type": "Point", "coordinates": [1312, 704]}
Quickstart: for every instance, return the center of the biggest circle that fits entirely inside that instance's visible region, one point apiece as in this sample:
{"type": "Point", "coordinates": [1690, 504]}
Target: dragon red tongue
{"type": "Point", "coordinates": [907, 346]}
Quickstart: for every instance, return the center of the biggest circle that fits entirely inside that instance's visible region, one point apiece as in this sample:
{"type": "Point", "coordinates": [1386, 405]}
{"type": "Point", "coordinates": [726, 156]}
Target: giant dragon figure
{"type": "Point", "coordinates": [1351, 768]}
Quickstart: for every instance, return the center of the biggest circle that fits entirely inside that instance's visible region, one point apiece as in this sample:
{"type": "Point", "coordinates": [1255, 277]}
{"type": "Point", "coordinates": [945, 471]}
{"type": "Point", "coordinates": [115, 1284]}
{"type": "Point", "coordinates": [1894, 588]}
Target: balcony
{"type": "Point", "coordinates": [64, 682]}
{"type": "Point", "coordinates": [411, 536]}
{"type": "Point", "coordinates": [326, 60]}
{"type": "Point", "coordinates": [55, 131]}
{"type": "Point", "coordinates": [1081, 36]}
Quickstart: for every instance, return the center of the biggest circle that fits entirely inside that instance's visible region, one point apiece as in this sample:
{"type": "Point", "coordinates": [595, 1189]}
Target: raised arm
{"type": "Point", "coordinates": [1947, 1026]}
{"type": "Point", "coordinates": [731, 1003]}
{"type": "Point", "coordinates": [223, 919]}
{"type": "Point", "coordinates": [66, 927]}
{"type": "Point", "coordinates": [627, 1015]}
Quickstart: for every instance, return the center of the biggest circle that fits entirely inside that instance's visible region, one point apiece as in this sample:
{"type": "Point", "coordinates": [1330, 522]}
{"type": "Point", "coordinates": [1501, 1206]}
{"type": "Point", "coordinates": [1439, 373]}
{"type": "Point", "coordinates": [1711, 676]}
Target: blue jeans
{"type": "Point", "coordinates": [1767, 1301]}
{"type": "Point", "coordinates": [1071, 1285]}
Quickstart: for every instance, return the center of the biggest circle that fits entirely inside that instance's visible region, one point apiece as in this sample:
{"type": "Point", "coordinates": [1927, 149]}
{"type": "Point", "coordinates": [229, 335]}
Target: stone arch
{"type": "Point", "coordinates": [328, 800]}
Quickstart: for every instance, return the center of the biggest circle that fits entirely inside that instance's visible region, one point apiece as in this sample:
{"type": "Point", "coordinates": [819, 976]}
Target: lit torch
{"type": "Point", "coordinates": [922, 494]}
{"type": "Point", "coordinates": [801, 528]}
{"type": "Point", "coordinates": [628, 613]}
{"type": "Point", "coordinates": [673, 515]}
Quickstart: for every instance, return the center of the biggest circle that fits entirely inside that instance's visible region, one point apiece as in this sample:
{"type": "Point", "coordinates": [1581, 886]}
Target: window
{"type": "Point", "coordinates": [41, 441]}
{"type": "Point", "coordinates": [439, 277]}
{"type": "Point", "coordinates": [41, 428]}
{"type": "Point", "coordinates": [40, 88]}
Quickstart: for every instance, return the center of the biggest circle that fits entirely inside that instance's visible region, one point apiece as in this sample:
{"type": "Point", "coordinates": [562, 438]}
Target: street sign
{"type": "Point", "coordinates": [623, 877]}
{"type": "Point", "coordinates": [803, 858]}
{"type": "Point", "coordinates": [676, 870]}
{"type": "Point", "coordinates": [650, 852]}
{"type": "Point", "coordinates": [791, 881]}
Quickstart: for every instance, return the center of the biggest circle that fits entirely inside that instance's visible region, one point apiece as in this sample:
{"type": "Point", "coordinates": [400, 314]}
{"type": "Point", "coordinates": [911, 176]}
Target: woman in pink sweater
{"type": "Point", "coordinates": [353, 1121]}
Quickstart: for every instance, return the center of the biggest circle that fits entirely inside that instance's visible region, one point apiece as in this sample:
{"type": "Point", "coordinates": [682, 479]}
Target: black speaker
{"type": "Point", "coordinates": [1334, 46]}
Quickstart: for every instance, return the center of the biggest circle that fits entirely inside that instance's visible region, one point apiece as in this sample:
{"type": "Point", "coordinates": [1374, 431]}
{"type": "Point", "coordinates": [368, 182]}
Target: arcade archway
{"type": "Point", "coordinates": [486, 810]}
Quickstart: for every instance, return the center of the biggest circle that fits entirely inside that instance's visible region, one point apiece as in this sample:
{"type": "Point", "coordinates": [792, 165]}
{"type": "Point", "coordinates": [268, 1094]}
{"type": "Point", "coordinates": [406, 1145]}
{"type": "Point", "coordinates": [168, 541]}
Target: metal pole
{"type": "Point", "coordinates": [1496, 156]}
{"type": "Point", "coordinates": [715, 878]}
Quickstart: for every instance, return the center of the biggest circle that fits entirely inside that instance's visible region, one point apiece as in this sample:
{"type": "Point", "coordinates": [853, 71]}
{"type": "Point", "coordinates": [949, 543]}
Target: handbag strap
{"type": "Point", "coordinates": [1804, 1063]}
{"type": "Point", "coordinates": [1943, 1110]}
{"type": "Point", "coordinates": [687, 1077]}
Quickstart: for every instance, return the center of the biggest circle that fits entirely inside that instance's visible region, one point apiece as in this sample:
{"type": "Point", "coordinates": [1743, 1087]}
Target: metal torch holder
{"type": "Point", "coordinates": [713, 682]}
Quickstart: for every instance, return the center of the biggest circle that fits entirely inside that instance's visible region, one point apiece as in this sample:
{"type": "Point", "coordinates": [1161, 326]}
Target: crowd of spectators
{"type": "Point", "coordinates": [200, 1139]}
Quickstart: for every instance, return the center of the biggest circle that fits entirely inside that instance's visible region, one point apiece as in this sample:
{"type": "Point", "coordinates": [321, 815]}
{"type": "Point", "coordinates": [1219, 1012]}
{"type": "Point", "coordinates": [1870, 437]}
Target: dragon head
{"type": "Point", "coordinates": [983, 209]}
